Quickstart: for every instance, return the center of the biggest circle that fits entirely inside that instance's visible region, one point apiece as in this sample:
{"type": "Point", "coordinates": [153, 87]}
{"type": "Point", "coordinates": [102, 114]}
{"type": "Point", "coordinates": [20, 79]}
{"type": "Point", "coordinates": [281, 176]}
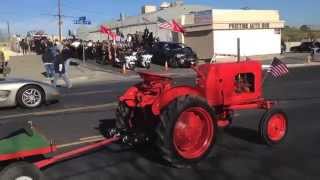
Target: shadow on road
{"type": "Point", "coordinates": [147, 151]}
{"type": "Point", "coordinates": [246, 134]}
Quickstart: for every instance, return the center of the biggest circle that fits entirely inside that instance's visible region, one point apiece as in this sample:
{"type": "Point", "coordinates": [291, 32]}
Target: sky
{"type": "Point", "coordinates": [25, 15]}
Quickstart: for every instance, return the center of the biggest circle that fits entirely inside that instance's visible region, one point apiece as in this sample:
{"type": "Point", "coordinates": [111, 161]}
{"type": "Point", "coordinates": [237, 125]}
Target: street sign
{"type": "Point", "coordinates": [82, 20]}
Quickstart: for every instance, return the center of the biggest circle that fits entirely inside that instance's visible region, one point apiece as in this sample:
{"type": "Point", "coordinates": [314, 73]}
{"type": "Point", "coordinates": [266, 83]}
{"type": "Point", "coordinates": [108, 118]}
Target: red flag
{"type": "Point", "coordinates": [176, 27]}
{"type": "Point", "coordinates": [108, 31]}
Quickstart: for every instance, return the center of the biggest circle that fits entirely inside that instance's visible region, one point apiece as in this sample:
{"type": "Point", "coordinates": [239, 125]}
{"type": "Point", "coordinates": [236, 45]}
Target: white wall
{"type": "Point", "coordinates": [252, 42]}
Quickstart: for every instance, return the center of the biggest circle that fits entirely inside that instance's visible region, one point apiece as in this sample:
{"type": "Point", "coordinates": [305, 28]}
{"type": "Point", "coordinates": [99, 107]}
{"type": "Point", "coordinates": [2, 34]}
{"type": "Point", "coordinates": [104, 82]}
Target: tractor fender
{"type": "Point", "coordinates": [129, 96]}
{"type": "Point", "coordinates": [169, 95]}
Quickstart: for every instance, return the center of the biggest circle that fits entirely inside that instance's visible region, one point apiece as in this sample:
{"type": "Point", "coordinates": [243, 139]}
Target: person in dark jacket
{"type": "Point", "coordinates": [60, 69]}
{"type": "Point", "coordinates": [47, 60]}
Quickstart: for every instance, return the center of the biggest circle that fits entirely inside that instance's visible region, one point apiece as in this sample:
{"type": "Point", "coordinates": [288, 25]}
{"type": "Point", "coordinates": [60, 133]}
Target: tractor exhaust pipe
{"type": "Point", "coordinates": [238, 50]}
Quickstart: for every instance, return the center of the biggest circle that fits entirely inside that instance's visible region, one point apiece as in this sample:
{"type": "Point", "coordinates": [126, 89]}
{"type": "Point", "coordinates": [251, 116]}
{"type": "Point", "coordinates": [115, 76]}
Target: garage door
{"type": "Point", "coordinates": [252, 42]}
{"type": "Point", "coordinates": [201, 42]}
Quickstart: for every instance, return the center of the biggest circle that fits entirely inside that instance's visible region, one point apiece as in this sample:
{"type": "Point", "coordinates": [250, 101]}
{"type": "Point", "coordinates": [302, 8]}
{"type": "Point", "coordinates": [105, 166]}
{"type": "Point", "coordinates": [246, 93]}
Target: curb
{"type": "Point", "coordinates": [294, 65]}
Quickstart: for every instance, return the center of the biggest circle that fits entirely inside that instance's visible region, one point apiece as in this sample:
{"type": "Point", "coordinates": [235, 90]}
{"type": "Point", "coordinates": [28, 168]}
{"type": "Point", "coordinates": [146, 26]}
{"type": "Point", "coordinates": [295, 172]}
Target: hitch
{"type": "Point", "coordinates": [129, 137]}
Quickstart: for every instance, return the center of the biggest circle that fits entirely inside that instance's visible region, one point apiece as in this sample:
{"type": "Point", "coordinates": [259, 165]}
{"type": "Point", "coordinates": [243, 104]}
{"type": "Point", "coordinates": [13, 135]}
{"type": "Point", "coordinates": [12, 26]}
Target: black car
{"type": "Point", "coordinates": [305, 47]}
{"type": "Point", "coordinates": [176, 54]}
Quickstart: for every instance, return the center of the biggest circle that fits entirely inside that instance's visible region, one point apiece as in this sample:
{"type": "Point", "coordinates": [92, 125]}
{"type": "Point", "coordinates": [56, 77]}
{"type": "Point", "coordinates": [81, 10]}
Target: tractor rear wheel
{"type": "Point", "coordinates": [273, 127]}
{"type": "Point", "coordinates": [21, 171]}
{"type": "Point", "coordinates": [123, 114]}
{"type": "Point", "coordinates": [187, 131]}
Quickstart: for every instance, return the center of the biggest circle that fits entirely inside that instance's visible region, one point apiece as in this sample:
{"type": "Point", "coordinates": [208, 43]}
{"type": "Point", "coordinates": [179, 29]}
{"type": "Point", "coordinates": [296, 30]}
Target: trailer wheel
{"type": "Point", "coordinates": [187, 131]}
{"type": "Point", "coordinates": [21, 171]}
{"type": "Point", "coordinates": [273, 127]}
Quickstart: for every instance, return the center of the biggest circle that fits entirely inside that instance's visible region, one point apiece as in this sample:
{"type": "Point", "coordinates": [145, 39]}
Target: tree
{"type": "Point", "coordinates": [305, 28]}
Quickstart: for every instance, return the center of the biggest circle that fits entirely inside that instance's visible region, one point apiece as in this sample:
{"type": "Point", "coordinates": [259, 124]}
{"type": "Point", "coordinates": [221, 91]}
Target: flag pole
{"type": "Point", "coordinates": [265, 77]}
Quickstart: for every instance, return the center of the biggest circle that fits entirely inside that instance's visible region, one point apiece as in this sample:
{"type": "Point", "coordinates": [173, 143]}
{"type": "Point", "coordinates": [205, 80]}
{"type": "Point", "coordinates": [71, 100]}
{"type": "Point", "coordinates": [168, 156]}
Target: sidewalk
{"type": "Point", "coordinates": [31, 67]}
{"type": "Point", "coordinates": [288, 58]}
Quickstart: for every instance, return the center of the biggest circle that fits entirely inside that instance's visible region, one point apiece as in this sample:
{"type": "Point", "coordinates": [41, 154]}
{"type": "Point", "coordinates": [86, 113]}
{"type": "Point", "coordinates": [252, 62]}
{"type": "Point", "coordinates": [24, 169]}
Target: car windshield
{"type": "Point", "coordinates": [172, 46]}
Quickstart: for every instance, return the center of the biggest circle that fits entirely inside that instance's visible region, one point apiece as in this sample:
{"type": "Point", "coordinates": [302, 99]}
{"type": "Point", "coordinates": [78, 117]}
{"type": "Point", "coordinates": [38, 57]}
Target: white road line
{"type": "Point", "coordinates": [79, 142]}
{"type": "Point", "coordinates": [87, 93]}
{"type": "Point", "coordinates": [50, 112]}
{"type": "Point", "coordinates": [90, 137]}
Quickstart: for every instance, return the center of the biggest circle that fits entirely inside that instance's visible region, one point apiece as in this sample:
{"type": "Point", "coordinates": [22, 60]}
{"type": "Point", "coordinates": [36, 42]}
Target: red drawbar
{"type": "Point", "coordinates": [27, 153]}
{"type": "Point", "coordinates": [74, 153]}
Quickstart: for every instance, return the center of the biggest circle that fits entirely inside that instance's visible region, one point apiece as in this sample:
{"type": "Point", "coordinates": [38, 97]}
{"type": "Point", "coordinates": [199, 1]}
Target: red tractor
{"type": "Point", "coordinates": [183, 121]}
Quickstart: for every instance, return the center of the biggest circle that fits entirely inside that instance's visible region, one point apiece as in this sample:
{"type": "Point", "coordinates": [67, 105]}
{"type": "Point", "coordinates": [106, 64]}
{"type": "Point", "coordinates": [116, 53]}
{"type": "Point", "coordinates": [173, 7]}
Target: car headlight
{"type": "Point", "coordinates": [4, 93]}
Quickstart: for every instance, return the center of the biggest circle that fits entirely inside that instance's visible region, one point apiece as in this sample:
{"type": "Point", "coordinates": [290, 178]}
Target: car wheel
{"type": "Point", "coordinates": [173, 63]}
{"type": "Point", "coordinates": [147, 65]}
{"type": "Point", "coordinates": [30, 96]}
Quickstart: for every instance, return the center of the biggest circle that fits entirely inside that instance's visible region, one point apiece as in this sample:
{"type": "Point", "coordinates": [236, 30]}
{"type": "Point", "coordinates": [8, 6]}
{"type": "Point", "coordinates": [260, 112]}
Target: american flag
{"type": "Point", "coordinates": [164, 24]}
{"type": "Point", "coordinates": [278, 68]}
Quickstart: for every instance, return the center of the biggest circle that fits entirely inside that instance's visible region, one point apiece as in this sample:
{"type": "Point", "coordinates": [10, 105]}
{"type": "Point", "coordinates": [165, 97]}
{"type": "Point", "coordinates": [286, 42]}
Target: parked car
{"type": "Point", "coordinates": [26, 93]}
{"type": "Point", "coordinates": [305, 47]}
{"type": "Point", "coordinates": [176, 54]}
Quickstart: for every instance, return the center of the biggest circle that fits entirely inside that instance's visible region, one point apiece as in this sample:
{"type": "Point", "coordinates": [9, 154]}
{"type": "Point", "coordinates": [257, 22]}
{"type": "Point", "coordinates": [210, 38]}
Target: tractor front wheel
{"type": "Point", "coordinates": [21, 171]}
{"type": "Point", "coordinates": [187, 131]}
{"type": "Point", "coordinates": [273, 127]}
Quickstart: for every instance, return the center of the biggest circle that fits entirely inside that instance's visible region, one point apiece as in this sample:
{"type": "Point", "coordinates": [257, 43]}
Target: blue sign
{"type": "Point", "coordinates": [82, 20]}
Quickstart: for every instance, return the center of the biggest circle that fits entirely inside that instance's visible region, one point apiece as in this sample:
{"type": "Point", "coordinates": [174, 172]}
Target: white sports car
{"type": "Point", "coordinates": [26, 93]}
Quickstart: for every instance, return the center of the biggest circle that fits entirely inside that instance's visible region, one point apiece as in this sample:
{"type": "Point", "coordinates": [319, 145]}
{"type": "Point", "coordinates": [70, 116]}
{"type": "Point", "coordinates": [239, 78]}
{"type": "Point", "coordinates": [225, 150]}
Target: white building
{"type": "Point", "coordinates": [217, 30]}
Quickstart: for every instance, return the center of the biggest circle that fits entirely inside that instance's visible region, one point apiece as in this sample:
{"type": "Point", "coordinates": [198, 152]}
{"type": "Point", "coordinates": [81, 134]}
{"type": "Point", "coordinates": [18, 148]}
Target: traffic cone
{"type": "Point", "coordinates": [124, 71]}
{"type": "Point", "coordinates": [308, 60]}
{"type": "Point", "coordinates": [166, 66]}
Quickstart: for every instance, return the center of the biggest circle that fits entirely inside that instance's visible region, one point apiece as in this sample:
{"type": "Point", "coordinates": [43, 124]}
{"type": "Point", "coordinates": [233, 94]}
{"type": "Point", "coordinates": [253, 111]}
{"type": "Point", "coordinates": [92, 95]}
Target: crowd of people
{"type": "Point", "coordinates": [107, 51]}
{"type": "Point", "coordinates": [55, 54]}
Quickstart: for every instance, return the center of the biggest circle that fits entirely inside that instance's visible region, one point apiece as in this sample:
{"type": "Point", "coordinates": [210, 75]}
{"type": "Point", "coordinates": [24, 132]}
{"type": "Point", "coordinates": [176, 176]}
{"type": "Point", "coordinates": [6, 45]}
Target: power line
{"type": "Point", "coordinates": [72, 8]}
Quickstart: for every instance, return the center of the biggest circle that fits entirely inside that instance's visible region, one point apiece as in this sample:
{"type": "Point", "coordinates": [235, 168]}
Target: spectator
{"type": "Point", "coordinates": [4, 60]}
{"type": "Point", "coordinates": [60, 71]}
{"type": "Point", "coordinates": [47, 59]}
{"type": "Point", "coordinates": [24, 46]}
{"type": "Point", "coordinates": [283, 47]}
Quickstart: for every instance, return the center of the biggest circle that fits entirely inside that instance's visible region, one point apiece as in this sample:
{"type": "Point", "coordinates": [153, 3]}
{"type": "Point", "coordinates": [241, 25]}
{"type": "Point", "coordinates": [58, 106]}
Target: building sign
{"type": "Point", "coordinates": [203, 17]}
{"type": "Point", "coordinates": [249, 26]}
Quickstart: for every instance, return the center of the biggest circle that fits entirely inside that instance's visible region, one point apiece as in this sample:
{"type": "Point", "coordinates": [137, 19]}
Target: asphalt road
{"type": "Point", "coordinates": [238, 154]}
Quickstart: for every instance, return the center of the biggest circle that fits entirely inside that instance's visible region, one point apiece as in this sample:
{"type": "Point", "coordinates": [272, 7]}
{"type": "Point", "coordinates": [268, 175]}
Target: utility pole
{"type": "Point", "coordinates": [60, 20]}
{"type": "Point", "coordinates": [8, 28]}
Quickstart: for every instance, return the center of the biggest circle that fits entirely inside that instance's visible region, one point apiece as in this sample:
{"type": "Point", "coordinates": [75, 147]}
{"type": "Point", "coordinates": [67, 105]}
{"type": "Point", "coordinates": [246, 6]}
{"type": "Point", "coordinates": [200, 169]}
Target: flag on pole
{"type": "Point", "coordinates": [278, 68]}
{"type": "Point", "coordinates": [164, 24]}
{"type": "Point", "coordinates": [177, 27]}
{"type": "Point", "coordinates": [108, 31]}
